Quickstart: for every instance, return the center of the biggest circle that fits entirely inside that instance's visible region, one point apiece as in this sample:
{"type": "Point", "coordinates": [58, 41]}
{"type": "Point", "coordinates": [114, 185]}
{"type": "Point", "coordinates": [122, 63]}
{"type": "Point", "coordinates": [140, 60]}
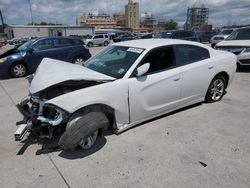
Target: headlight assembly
{"type": "Point", "coordinates": [3, 60]}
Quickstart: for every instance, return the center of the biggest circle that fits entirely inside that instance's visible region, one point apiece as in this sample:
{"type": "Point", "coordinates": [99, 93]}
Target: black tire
{"type": "Point", "coordinates": [106, 43]}
{"type": "Point", "coordinates": [90, 44]}
{"type": "Point", "coordinates": [18, 70]}
{"type": "Point", "coordinates": [80, 127]}
{"type": "Point", "coordinates": [216, 89]}
{"type": "Point", "coordinates": [78, 60]}
{"type": "Point", "coordinates": [212, 45]}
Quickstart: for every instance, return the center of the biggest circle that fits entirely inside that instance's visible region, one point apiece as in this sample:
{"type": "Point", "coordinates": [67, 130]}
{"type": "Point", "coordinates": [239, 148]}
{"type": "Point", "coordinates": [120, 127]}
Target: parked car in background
{"type": "Point", "coordinates": [100, 39]}
{"type": "Point", "coordinates": [124, 85]}
{"type": "Point", "coordinates": [239, 44]}
{"type": "Point", "coordinates": [220, 37]}
{"type": "Point", "coordinates": [17, 62]}
{"type": "Point", "coordinates": [123, 38]}
{"type": "Point", "coordinates": [178, 34]}
{"type": "Point", "coordinates": [143, 35]}
{"type": "Point", "coordinates": [204, 36]}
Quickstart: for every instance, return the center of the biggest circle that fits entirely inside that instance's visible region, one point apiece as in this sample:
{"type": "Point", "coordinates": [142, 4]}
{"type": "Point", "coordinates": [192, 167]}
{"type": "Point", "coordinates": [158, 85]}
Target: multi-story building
{"type": "Point", "coordinates": [149, 20]}
{"type": "Point", "coordinates": [98, 20]}
{"type": "Point", "coordinates": [196, 17]}
{"type": "Point", "coordinates": [120, 19]}
{"type": "Point", "coordinates": [132, 14]}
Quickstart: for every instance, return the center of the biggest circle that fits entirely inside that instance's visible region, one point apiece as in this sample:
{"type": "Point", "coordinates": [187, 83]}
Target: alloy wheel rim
{"type": "Point", "coordinates": [19, 70]}
{"type": "Point", "coordinates": [79, 61]}
{"type": "Point", "coordinates": [217, 89]}
{"type": "Point", "coordinates": [89, 141]}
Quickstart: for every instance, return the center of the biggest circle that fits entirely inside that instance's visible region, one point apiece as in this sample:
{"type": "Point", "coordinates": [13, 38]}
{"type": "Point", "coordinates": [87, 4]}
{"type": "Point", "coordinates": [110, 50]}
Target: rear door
{"type": "Point", "coordinates": [98, 39]}
{"type": "Point", "coordinates": [157, 91]}
{"type": "Point", "coordinates": [198, 71]}
{"type": "Point", "coordinates": [63, 49]}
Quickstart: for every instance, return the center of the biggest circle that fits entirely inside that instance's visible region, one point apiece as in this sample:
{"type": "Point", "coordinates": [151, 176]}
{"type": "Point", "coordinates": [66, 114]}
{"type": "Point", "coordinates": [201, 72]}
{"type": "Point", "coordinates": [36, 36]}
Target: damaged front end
{"type": "Point", "coordinates": [39, 117]}
{"type": "Point", "coordinates": [52, 79]}
{"type": "Point", "coordinates": [43, 118]}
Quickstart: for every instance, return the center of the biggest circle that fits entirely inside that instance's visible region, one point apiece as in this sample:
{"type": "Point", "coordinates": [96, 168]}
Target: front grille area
{"type": "Point", "coordinates": [245, 61]}
{"type": "Point", "coordinates": [234, 49]}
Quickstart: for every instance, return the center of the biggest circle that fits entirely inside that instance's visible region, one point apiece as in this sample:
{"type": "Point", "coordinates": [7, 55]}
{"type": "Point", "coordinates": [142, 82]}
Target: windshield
{"type": "Point", "coordinates": [89, 37]}
{"type": "Point", "coordinates": [114, 61]}
{"type": "Point", "coordinates": [25, 46]}
{"type": "Point", "coordinates": [243, 34]}
{"type": "Point", "coordinates": [163, 35]}
{"type": "Point", "coordinates": [226, 32]}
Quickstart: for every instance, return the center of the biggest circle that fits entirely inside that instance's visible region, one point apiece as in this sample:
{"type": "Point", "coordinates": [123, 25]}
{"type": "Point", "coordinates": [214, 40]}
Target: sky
{"type": "Point", "coordinates": [222, 12]}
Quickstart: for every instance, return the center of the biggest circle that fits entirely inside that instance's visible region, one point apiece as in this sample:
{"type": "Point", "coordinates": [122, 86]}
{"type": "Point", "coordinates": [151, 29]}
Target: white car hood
{"type": "Point", "coordinates": [51, 72]}
{"type": "Point", "coordinates": [234, 43]}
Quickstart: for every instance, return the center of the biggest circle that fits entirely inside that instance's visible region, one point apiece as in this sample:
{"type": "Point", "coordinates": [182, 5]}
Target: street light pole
{"type": "Point", "coordinates": [31, 15]}
{"type": "Point", "coordinates": [2, 19]}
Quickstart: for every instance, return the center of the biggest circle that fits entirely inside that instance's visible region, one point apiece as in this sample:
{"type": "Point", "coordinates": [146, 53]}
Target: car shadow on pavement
{"type": "Point", "coordinates": [50, 146]}
{"type": "Point", "coordinates": [79, 153]}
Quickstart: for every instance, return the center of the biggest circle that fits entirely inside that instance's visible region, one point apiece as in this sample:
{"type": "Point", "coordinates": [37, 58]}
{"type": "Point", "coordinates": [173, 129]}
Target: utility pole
{"type": "Point", "coordinates": [31, 15]}
{"type": "Point", "coordinates": [2, 19]}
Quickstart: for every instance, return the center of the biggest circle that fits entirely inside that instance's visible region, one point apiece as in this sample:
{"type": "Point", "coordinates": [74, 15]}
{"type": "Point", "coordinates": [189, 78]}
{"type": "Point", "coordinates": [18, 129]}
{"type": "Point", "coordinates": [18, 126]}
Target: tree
{"type": "Point", "coordinates": [170, 25]}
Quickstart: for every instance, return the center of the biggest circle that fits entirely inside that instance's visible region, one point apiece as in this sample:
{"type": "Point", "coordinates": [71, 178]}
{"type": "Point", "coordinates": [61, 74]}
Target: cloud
{"type": "Point", "coordinates": [65, 11]}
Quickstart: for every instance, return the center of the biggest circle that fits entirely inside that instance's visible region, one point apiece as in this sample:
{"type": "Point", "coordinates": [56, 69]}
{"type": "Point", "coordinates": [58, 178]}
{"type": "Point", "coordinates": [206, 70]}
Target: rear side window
{"type": "Point", "coordinates": [61, 42]}
{"type": "Point", "coordinates": [186, 54]}
{"type": "Point", "coordinates": [160, 59]}
{"type": "Point", "coordinates": [77, 42]}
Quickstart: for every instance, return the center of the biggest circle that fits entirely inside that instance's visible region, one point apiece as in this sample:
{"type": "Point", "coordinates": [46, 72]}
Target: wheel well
{"type": "Point", "coordinates": [225, 76]}
{"type": "Point", "coordinates": [105, 109]}
{"type": "Point", "coordinates": [15, 62]}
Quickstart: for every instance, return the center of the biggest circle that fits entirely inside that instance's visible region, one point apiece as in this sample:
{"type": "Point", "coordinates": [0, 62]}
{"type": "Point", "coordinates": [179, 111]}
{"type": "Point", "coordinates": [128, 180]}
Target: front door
{"type": "Point", "coordinates": [41, 49]}
{"type": "Point", "coordinates": [157, 91]}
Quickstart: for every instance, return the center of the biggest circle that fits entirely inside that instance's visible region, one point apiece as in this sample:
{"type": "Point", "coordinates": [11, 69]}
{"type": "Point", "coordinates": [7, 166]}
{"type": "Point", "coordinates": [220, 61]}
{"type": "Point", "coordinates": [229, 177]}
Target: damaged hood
{"type": "Point", "coordinates": [51, 72]}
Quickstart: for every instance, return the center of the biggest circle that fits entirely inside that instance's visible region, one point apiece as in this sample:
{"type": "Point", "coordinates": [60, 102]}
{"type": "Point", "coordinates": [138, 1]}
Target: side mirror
{"type": "Point", "coordinates": [142, 69]}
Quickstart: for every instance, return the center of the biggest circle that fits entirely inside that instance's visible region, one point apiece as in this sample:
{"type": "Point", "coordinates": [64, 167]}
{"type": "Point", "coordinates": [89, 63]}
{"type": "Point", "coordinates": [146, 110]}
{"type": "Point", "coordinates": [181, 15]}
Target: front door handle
{"type": "Point", "coordinates": [211, 67]}
{"type": "Point", "coordinates": [176, 79]}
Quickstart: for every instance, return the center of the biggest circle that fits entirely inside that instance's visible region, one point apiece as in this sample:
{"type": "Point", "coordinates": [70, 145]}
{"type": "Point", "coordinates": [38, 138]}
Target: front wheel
{"type": "Point", "coordinates": [18, 70]}
{"type": "Point", "coordinates": [216, 89]}
{"type": "Point", "coordinates": [82, 130]}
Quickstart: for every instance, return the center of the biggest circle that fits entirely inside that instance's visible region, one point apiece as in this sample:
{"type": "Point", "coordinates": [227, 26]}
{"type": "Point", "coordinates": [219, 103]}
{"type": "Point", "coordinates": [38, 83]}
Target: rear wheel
{"type": "Point", "coordinates": [90, 44]}
{"type": "Point", "coordinates": [82, 130]}
{"type": "Point", "coordinates": [18, 70]}
{"type": "Point", "coordinates": [106, 43]}
{"type": "Point", "coordinates": [216, 89]}
{"type": "Point", "coordinates": [79, 60]}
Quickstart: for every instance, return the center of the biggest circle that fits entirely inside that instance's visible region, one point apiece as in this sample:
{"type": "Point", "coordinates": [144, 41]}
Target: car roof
{"type": "Point", "coordinates": [153, 43]}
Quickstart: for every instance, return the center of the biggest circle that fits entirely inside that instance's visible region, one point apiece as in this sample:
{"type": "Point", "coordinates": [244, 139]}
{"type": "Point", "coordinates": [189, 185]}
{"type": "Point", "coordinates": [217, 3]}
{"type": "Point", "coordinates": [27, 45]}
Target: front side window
{"type": "Point", "coordinates": [160, 59]}
{"type": "Point", "coordinates": [186, 54]}
{"type": "Point", "coordinates": [226, 32]}
{"type": "Point", "coordinates": [43, 45]}
{"type": "Point", "coordinates": [114, 61]}
{"type": "Point", "coordinates": [98, 37]}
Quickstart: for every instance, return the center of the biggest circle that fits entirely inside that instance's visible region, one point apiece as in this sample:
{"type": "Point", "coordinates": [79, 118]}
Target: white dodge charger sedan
{"type": "Point", "coordinates": [125, 84]}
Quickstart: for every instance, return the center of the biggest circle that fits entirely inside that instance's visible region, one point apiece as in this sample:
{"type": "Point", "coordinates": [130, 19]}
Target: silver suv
{"type": "Point", "coordinates": [101, 39]}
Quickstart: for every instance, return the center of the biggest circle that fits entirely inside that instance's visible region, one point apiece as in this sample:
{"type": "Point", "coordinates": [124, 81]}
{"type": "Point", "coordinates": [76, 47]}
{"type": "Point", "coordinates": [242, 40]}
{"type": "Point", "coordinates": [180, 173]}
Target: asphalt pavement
{"type": "Point", "coordinates": [206, 145]}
